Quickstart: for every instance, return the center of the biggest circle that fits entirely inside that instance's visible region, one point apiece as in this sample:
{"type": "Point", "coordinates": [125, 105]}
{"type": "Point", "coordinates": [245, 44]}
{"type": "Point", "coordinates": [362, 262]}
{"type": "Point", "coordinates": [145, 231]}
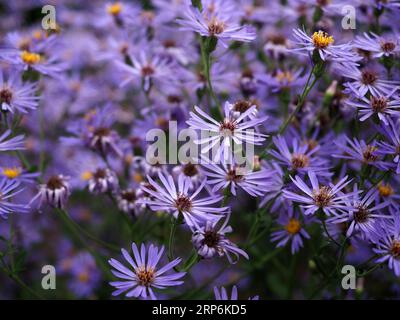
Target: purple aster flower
{"type": "Point", "coordinates": [328, 198]}
{"type": "Point", "coordinates": [379, 46]}
{"type": "Point", "coordinates": [301, 158]}
{"type": "Point", "coordinates": [362, 212]}
{"type": "Point", "coordinates": [222, 294]}
{"type": "Point", "coordinates": [144, 275]}
{"type": "Point", "coordinates": [209, 240]}
{"type": "Point", "coordinates": [384, 106]}
{"type": "Point", "coordinates": [386, 237]}
{"type": "Point", "coordinates": [392, 144]}
{"type": "Point", "coordinates": [8, 190]}
{"type": "Point", "coordinates": [283, 79]}
{"type": "Point", "coordinates": [54, 192]}
{"type": "Point", "coordinates": [85, 274]}
{"type": "Point", "coordinates": [293, 230]}
{"type": "Point", "coordinates": [322, 43]}
{"type": "Point", "coordinates": [360, 151]}
{"type": "Point", "coordinates": [228, 132]}
{"type": "Point", "coordinates": [255, 183]}
{"type": "Point", "coordinates": [180, 200]}
{"type": "Point", "coordinates": [366, 80]}
{"type": "Point", "coordinates": [16, 95]}
{"type": "Point", "coordinates": [192, 172]}
{"type": "Point", "coordinates": [127, 202]}
{"type": "Point", "coordinates": [217, 22]}
{"type": "Point", "coordinates": [148, 68]}
{"type": "Point", "coordinates": [12, 144]}
{"type": "Point", "coordinates": [103, 180]}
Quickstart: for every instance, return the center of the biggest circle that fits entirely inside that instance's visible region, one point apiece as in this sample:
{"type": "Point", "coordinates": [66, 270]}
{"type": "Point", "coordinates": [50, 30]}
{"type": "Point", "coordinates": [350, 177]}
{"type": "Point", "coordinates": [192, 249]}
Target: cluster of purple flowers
{"type": "Point", "coordinates": [318, 105]}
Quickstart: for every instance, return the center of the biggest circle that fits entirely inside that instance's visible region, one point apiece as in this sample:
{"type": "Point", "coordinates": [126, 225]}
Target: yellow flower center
{"type": "Point", "coordinates": [293, 226]}
{"type": "Point", "coordinates": [11, 173]}
{"type": "Point", "coordinates": [114, 9]}
{"type": "Point", "coordinates": [321, 39]}
{"type": "Point", "coordinates": [83, 277]}
{"type": "Point", "coordinates": [385, 190]}
{"type": "Point", "coordinates": [86, 175]}
{"type": "Point", "coordinates": [30, 57]}
{"type": "Point", "coordinates": [284, 76]}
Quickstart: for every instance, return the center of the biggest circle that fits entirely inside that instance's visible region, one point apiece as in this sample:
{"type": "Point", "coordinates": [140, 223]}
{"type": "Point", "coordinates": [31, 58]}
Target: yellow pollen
{"type": "Point", "coordinates": [385, 190]}
{"type": "Point", "coordinates": [285, 75]}
{"type": "Point", "coordinates": [293, 226]}
{"type": "Point", "coordinates": [321, 39]}
{"type": "Point", "coordinates": [137, 177]}
{"type": "Point", "coordinates": [37, 34]}
{"type": "Point", "coordinates": [86, 175]}
{"type": "Point", "coordinates": [114, 9]}
{"type": "Point", "coordinates": [83, 277]}
{"type": "Point", "coordinates": [30, 57]}
{"type": "Point", "coordinates": [11, 173]}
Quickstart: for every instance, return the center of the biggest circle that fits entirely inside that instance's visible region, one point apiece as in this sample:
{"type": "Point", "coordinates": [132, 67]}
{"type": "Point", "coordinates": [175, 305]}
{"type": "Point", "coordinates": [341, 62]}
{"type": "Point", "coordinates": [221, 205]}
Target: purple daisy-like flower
{"type": "Point", "coordinates": [12, 144]}
{"type": "Point", "coordinates": [392, 145]}
{"type": "Point", "coordinates": [16, 95]}
{"type": "Point", "coordinates": [361, 213]}
{"type": "Point", "coordinates": [255, 183]}
{"type": "Point", "coordinates": [222, 294]}
{"type": "Point", "coordinates": [301, 158]}
{"type": "Point", "coordinates": [228, 132]}
{"type": "Point", "coordinates": [327, 198]}
{"type": "Point", "coordinates": [209, 240]}
{"type": "Point", "coordinates": [386, 238]}
{"type": "Point", "coordinates": [54, 192]}
{"type": "Point", "coordinates": [218, 23]}
{"type": "Point", "coordinates": [181, 200]}
{"type": "Point", "coordinates": [103, 180]}
{"type": "Point", "coordinates": [145, 275]}
{"type": "Point", "coordinates": [8, 190]}
{"type": "Point", "coordinates": [383, 106]}
{"type": "Point", "coordinates": [366, 80]}
{"type": "Point", "coordinates": [322, 43]}
{"type": "Point", "coordinates": [18, 174]}
{"type": "Point", "coordinates": [379, 46]}
{"type": "Point", "coordinates": [293, 230]}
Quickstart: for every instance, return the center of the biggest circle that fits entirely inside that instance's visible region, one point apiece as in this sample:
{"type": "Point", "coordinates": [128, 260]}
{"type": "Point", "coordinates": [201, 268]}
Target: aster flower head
{"type": "Point", "coordinates": [228, 133]}
{"type": "Point", "coordinates": [222, 294]}
{"type": "Point", "coordinates": [103, 180]}
{"type": "Point", "coordinates": [12, 144]}
{"type": "Point", "coordinates": [210, 240]}
{"type": "Point", "coordinates": [327, 198]}
{"type": "Point", "coordinates": [300, 157]}
{"type": "Point", "coordinates": [377, 45]}
{"type": "Point", "coordinates": [17, 173]}
{"type": "Point", "coordinates": [384, 106]}
{"type": "Point", "coordinates": [234, 176]}
{"type": "Point", "coordinates": [386, 239]}
{"type": "Point", "coordinates": [216, 21]}
{"type": "Point", "coordinates": [322, 44]}
{"type": "Point", "coordinates": [8, 190]}
{"type": "Point", "coordinates": [177, 199]}
{"type": "Point", "coordinates": [127, 201]}
{"type": "Point", "coordinates": [16, 95]}
{"type": "Point", "coordinates": [362, 212]}
{"type": "Point", "coordinates": [293, 230]}
{"type": "Point", "coordinates": [54, 192]}
{"type": "Point", "coordinates": [190, 171]}
{"type": "Point", "coordinates": [143, 274]}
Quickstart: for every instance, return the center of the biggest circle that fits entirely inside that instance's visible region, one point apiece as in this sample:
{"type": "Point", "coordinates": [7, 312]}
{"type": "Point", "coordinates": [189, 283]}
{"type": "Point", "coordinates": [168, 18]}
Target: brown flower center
{"type": "Point", "coordinates": [100, 174]}
{"type": "Point", "coordinates": [54, 183]}
{"type": "Point", "coordinates": [227, 125]}
{"type": "Point", "coordinates": [361, 215]}
{"type": "Point", "coordinates": [395, 249]}
{"type": "Point", "coordinates": [378, 104]}
{"type": "Point", "coordinates": [388, 46]}
{"type": "Point", "coordinates": [211, 238]}
{"type": "Point", "coordinates": [368, 77]}
{"type": "Point", "coordinates": [299, 161]}
{"type": "Point", "coordinates": [6, 95]}
{"type": "Point", "coordinates": [322, 197]}
{"type": "Point", "coordinates": [183, 203]}
{"type": "Point", "coordinates": [145, 276]}
{"type": "Point", "coordinates": [369, 155]}
{"type": "Point", "coordinates": [147, 70]}
{"type": "Point", "coordinates": [231, 175]}
{"type": "Point", "coordinates": [102, 132]}
{"type": "Point", "coordinates": [190, 170]}
{"type": "Point", "coordinates": [216, 27]}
